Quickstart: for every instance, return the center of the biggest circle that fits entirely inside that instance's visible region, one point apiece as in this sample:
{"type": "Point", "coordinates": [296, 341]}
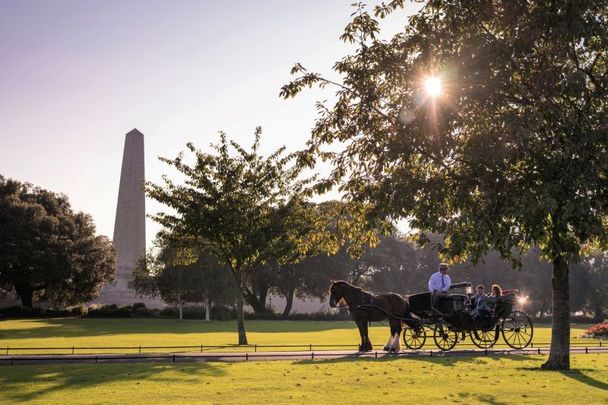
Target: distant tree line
{"type": "Point", "coordinates": [394, 265]}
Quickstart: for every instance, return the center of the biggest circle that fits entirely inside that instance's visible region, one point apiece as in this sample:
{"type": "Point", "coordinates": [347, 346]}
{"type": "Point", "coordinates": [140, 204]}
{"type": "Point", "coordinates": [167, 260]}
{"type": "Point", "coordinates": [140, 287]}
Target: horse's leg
{"type": "Point", "coordinates": [389, 344]}
{"type": "Point", "coordinates": [396, 334]}
{"type": "Point", "coordinates": [360, 325]}
{"type": "Point", "coordinates": [367, 345]}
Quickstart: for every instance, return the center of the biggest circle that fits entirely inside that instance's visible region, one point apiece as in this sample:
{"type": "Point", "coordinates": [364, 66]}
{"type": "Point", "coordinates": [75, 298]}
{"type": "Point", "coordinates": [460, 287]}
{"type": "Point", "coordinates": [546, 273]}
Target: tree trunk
{"type": "Point", "coordinates": [598, 313]}
{"type": "Point", "coordinates": [240, 316]}
{"type": "Point", "coordinates": [207, 310]}
{"type": "Point", "coordinates": [288, 304]}
{"type": "Point", "coordinates": [559, 356]}
{"type": "Point", "coordinates": [179, 293]}
{"type": "Point", "coordinates": [257, 303]}
{"type": "Point", "coordinates": [25, 293]}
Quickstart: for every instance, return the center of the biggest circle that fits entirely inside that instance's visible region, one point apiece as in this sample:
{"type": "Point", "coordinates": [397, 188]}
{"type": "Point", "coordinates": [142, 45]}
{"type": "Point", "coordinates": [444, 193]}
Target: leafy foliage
{"type": "Point", "coordinates": [511, 155]}
{"type": "Point", "coordinates": [244, 209]}
{"type": "Point", "coordinates": [47, 251]}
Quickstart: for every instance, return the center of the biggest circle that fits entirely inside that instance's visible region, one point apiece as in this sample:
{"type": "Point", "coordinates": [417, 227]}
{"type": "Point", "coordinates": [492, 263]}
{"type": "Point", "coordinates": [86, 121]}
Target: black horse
{"type": "Point", "coordinates": [365, 307]}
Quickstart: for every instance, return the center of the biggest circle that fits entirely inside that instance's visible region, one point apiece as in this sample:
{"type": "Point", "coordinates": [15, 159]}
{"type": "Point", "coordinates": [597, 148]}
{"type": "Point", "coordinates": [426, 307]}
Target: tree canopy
{"type": "Point", "coordinates": [47, 251]}
{"type": "Point", "coordinates": [243, 208]}
{"type": "Point", "coordinates": [510, 151]}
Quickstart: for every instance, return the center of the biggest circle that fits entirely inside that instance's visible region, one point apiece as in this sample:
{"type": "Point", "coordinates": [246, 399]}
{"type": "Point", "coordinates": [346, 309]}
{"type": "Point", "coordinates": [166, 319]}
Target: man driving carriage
{"type": "Point", "coordinates": [440, 282]}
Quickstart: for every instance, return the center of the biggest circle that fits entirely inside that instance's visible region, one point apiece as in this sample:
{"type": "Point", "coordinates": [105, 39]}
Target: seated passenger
{"type": "Point", "coordinates": [480, 299]}
{"type": "Point", "coordinates": [480, 310]}
{"type": "Point", "coordinates": [494, 297]}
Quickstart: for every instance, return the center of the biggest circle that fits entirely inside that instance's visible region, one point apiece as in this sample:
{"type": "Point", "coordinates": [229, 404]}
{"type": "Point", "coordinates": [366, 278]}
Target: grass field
{"type": "Point", "coordinates": [492, 380]}
{"type": "Point", "coordinates": [68, 332]}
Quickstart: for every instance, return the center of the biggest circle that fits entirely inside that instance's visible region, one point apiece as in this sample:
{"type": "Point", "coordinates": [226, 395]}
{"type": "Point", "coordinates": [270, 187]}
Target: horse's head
{"type": "Point", "coordinates": [336, 293]}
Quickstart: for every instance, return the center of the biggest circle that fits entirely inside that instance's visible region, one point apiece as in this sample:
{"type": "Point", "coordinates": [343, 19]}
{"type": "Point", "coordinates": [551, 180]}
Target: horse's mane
{"type": "Point", "coordinates": [354, 287]}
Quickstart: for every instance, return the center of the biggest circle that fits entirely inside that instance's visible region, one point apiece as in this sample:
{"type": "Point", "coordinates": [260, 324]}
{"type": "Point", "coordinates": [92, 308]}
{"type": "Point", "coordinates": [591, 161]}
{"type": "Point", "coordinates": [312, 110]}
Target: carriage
{"type": "Point", "coordinates": [452, 317]}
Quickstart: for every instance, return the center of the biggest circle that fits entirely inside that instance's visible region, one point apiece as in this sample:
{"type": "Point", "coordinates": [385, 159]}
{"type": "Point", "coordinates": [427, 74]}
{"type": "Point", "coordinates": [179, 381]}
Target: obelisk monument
{"type": "Point", "coordinates": [130, 224]}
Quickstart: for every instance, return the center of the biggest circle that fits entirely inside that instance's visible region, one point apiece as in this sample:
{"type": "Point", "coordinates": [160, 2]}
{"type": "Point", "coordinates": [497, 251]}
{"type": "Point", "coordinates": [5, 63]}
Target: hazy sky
{"type": "Point", "coordinates": [75, 76]}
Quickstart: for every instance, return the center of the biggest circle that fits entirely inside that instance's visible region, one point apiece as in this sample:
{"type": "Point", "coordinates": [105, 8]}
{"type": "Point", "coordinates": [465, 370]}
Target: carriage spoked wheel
{"type": "Point", "coordinates": [414, 338]}
{"type": "Point", "coordinates": [445, 336]}
{"type": "Point", "coordinates": [484, 339]}
{"type": "Point", "coordinates": [517, 330]}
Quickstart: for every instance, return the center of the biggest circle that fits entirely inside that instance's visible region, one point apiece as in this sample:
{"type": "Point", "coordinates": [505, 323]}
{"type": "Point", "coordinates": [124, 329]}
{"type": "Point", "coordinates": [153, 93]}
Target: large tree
{"type": "Point", "coordinates": [484, 121]}
{"type": "Point", "coordinates": [245, 209]}
{"type": "Point", "coordinates": [48, 251]}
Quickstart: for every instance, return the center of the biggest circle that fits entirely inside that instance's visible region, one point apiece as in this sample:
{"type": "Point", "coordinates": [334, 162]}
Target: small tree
{"type": "Point", "coordinates": [243, 208]}
{"type": "Point", "coordinates": [47, 251]}
{"type": "Point", "coordinates": [508, 154]}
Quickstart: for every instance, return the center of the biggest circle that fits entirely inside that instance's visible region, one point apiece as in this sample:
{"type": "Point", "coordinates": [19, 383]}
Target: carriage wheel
{"type": "Point", "coordinates": [484, 339]}
{"type": "Point", "coordinates": [414, 338]}
{"type": "Point", "coordinates": [517, 330]}
{"type": "Point", "coordinates": [445, 336]}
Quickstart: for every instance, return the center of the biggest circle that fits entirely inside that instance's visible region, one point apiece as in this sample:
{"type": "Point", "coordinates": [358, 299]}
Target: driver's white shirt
{"type": "Point", "coordinates": [438, 282]}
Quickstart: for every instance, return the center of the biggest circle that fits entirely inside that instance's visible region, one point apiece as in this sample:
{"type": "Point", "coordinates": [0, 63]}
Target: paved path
{"type": "Point", "coordinates": [269, 356]}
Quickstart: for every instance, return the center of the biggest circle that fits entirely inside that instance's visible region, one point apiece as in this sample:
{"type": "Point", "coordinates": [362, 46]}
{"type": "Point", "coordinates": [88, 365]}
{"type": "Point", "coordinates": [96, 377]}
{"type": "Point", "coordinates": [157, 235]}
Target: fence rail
{"type": "Point", "coordinates": [109, 358]}
{"type": "Point", "coordinates": [255, 347]}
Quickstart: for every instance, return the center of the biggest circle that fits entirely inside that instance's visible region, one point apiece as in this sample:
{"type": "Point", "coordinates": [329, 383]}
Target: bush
{"type": "Point", "coordinates": [109, 311]}
{"type": "Point", "coordinates": [22, 312]}
{"type": "Point", "coordinates": [138, 305]}
{"type": "Point", "coordinates": [169, 312]}
{"type": "Point", "coordinates": [597, 331]}
{"type": "Point", "coordinates": [143, 312]}
{"type": "Point", "coordinates": [220, 313]}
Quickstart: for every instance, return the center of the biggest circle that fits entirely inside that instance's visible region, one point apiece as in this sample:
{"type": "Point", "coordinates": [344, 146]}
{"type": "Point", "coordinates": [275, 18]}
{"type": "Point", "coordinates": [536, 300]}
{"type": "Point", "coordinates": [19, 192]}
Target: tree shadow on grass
{"type": "Point", "coordinates": [442, 360]}
{"type": "Point", "coordinates": [575, 374]}
{"type": "Point", "coordinates": [30, 382]}
{"type": "Point", "coordinates": [579, 376]}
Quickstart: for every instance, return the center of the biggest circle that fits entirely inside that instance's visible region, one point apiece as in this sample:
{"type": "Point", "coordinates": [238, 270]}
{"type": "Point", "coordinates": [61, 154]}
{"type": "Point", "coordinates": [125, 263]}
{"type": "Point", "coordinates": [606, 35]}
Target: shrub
{"type": "Point", "coordinates": [109, 311]}
{"type": "Point", "coordinates": [598, 331]}
{"type": "Point", "coordinates": [137, 305]}
{"type": "Point", "coordinates": [220, 313]}
{"type": "Point", "coordinates": [142, 312]}
{"type": "Point", "coordinates": [169, 312]}
{"type": "Point", "coordinates": [36, 312]}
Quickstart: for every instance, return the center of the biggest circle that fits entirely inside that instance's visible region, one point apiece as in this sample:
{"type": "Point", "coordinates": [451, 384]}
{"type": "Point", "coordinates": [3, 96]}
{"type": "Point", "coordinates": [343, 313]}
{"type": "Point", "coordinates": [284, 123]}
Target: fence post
{"type": "Point", "coordinates": [140, 349]}
{"type": "Point", "coordinates": [312, 355]}
{"type": "Point", "coordinates": [539, 350]}
{"type": "Point", "coordinates": [586, 350]}
{"type": "Point", "coordinates": [310, 347]}
{"type": "Point", "coordinates": [376, 354]}
{"type": "Point", "coordinates": [95, 359]}
{"type": "Point", "coordinates": [600, 346]}
{"type": "Point", "coordinates": [255, 347]}
{"type": "Point", "coordinates": [246, 356]}
{"type": "Point", "coordinates": [72, 349]}
{"type": "Point", "coordinates": [201, 348]}
{"type": "Point", "coordinates": [7, 349]}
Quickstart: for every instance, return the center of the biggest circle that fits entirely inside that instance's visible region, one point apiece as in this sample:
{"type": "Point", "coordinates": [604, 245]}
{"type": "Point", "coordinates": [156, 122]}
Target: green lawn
{"type": "Point", "coordinates": [68, 332]}
{"type": "Point", "coordinates": [453, 379]}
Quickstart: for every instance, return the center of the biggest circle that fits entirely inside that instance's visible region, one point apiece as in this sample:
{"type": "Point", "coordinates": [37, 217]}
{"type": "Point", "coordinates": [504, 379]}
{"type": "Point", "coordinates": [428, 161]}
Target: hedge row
{"type": "Point", "coordinates": [139, 310]}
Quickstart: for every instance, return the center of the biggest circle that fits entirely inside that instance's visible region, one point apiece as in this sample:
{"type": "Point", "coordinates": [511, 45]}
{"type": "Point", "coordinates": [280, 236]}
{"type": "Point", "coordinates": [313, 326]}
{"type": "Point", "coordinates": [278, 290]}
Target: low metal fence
{"type": "Point", "coordinates": [112, 358]}
{"type": "Point", "coordinates": [255, 347]}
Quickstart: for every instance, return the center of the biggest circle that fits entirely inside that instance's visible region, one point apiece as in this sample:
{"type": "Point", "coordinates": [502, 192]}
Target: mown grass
{"type": "Point", "coordinates": [68, 332]}
{"type": "Point", "coordinates": [454, 379]}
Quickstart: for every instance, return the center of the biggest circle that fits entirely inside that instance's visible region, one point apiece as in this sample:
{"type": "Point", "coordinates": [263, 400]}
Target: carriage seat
{"type": "Point", "coordinates": [424, 304]}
